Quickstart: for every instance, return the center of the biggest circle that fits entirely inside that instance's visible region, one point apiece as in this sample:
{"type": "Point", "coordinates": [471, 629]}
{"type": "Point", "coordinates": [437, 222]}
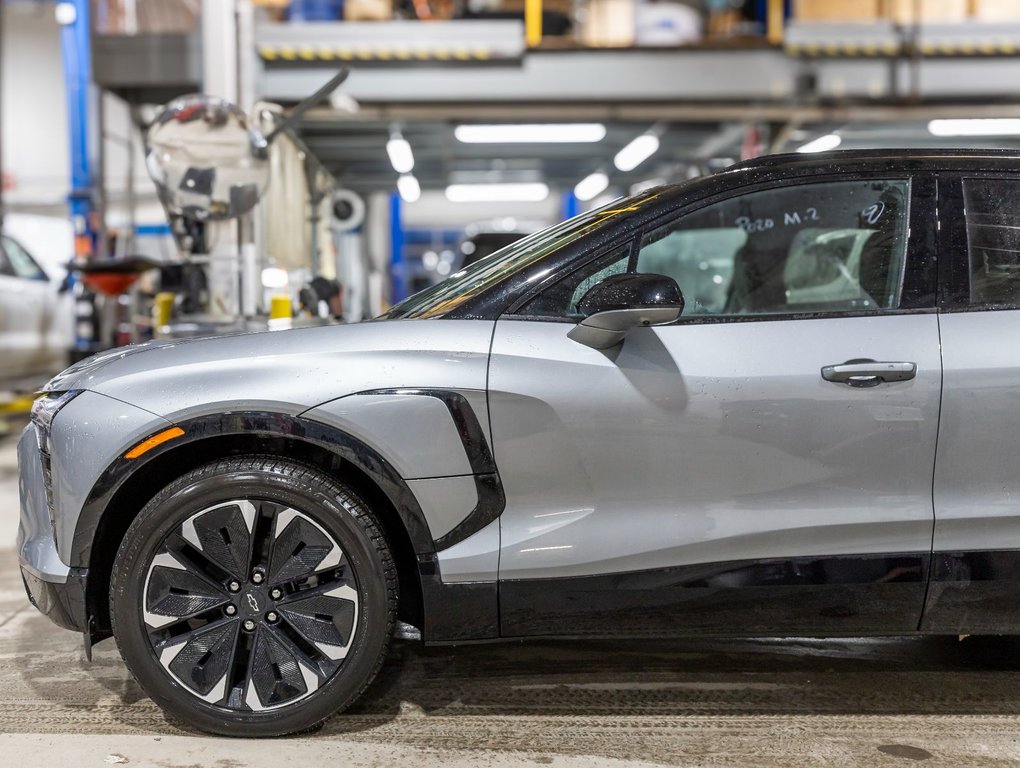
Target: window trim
{"type": "Point", "coordinates": [921, 215]}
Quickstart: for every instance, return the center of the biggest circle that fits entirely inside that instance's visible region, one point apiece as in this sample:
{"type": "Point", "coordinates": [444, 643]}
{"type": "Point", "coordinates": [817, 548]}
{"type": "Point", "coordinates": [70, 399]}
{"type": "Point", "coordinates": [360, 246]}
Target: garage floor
{"type": "Point", "coordinates": [761, 703]}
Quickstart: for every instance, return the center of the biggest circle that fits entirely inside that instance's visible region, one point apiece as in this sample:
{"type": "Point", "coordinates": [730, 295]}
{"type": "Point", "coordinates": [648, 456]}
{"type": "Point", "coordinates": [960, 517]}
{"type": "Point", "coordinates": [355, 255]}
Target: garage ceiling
{"type": "Point", "coordinates": [355, 152]}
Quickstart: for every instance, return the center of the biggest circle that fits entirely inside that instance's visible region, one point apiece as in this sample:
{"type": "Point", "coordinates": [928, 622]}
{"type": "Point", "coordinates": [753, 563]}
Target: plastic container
{"type": "Point", "coordinates": [316, 10]}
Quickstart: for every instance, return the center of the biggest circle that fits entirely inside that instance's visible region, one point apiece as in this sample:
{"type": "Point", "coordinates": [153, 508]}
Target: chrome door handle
{"type": "Point", "coordinates": [868, 373]}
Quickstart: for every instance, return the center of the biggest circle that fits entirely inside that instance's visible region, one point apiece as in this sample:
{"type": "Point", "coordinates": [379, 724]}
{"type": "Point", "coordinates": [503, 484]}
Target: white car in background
{"type": "Point", "coordinates": [36, 318]}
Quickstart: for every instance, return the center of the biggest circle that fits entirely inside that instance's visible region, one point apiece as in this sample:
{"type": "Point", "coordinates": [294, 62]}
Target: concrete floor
{"type": "Point", "coordinates": [698, 703]}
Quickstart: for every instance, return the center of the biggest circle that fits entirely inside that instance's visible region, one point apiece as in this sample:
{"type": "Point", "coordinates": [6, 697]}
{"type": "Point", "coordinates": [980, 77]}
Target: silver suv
{"type": "Point", "coordinates": [778, 400]}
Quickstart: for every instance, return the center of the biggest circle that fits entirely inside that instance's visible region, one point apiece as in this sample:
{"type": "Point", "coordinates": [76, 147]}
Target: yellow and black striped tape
{"type": "Point", "coordinates": [343, 53]}
{"type": "Point", "coordinates": [928, 48]}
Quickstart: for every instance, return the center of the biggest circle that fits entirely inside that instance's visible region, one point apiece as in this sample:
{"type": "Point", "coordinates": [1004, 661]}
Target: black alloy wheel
{"type": "Point", "coordinates": [262, 600]}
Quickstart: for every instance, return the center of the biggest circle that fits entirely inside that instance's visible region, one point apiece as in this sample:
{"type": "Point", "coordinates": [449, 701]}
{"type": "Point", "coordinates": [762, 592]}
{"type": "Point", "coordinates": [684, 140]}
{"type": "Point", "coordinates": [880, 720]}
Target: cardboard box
{"type": "Point", "coordinates": [937, 11]}
{"type": "Point", "coordinates": [609, 24]}
{"type": "Point", "coordinates": [995, 10]}
{"type": "Point", "coordinates": [838, 10]}
{"type": "Point", "coordinates": [368, 10]}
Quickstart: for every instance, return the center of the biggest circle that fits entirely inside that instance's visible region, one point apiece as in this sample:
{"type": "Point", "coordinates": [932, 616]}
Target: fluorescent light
{"type": "Point", "coordinates": [592, 185]}
{"type": "Point", "coordinates": [401, 157]}
{"type": "Point", "coordinates": [409, 188]}
{"type": "Point", "coordinates": [532, 192]}
{"type": "Point", "coordinates": [991, 126]}
{"type": "Point", "coordinates": [532, 133]}
{"type": "Point", "coordinates": [641, 186]}
{"type": "Point", "coordinates": [66, 14]}
{"type": "Point", "coordinates": [822, 143]}
{"type": "Point", "coordinates": [635, 153]}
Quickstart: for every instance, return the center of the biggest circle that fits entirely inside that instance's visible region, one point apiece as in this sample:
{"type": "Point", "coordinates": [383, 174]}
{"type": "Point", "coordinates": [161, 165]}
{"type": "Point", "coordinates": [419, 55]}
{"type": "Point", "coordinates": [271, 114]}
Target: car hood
{"type": "Point", "coordinates": [286, 371]}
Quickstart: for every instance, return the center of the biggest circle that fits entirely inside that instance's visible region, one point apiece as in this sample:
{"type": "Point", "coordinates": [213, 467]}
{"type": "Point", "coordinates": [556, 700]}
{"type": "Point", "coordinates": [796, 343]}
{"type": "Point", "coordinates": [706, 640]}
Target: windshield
{"type": "Point", "coordinates": [493, 269]}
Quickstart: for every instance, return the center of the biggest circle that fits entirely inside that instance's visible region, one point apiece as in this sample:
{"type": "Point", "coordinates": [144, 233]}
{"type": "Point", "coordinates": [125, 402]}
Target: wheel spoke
{"type": "Point", "coordinates": [197, 561]}
{"type": "Point", "coordinates": [299, 548]}
{"type": "Point", "coordinates": [175, 592]}
{"type": "Point", "coordinates": [326, 617]}
{"type": "Point", "coordinates": [202, 659]}
{"type": "Point", "coordinates": [223, 535]}
{"type": "Point", "coordinates": [317, 584]}
{"type": "Point", "coordinates": [240, 664]}
{"type": "Point", "coordinates": [279, 671]}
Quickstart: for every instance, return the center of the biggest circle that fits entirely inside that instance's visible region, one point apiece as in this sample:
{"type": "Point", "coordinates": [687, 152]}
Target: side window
{"type": "Point", "coordinates": [20, 262]}
{"type": "Point", "coordinates": [5, 266]}
{"type": "Point", "coordinates": [993, 240]}
{"type": "Point", "coordinates": [829, 247]}
{"type": "Point", "coordinates": [561, 299]}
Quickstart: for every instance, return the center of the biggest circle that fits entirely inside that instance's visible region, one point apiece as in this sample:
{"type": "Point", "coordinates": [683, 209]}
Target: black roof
{"type": "Point", "coordinates": [987, 159]}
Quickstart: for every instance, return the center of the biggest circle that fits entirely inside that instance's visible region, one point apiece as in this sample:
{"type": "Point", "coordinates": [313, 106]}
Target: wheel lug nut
{"type": "Point", "coordinates": [271, 617]}
{"type": "Point", "coordinates": [275, 593]}
{"type": "Point", "coordinates": [249, 624]}
{"type": "Point", "coordinates": [233, 586]}
{"type": "Point", "coordinates": [257, 577]}
{"type": "Point", "coordinates": [230, 610]}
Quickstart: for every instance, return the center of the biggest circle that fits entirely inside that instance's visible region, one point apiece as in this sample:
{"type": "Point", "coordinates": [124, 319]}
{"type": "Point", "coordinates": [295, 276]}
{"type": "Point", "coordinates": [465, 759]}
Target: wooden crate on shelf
{"type": "Point", "coordinates": [995, 10]}
{"type": "Point", "coordinates": [368, 10]}
{"type": "Point", "coordinates": [609, 24]}
{"type": "Point", "coordinates": [837, 10]}
{"type": "Point", "coordinates": [928, 11]}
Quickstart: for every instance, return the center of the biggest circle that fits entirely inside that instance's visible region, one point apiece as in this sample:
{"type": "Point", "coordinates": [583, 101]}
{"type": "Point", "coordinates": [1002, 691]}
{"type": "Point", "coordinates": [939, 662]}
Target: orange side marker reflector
{"type": "Point", "coordinates": [152, 442]}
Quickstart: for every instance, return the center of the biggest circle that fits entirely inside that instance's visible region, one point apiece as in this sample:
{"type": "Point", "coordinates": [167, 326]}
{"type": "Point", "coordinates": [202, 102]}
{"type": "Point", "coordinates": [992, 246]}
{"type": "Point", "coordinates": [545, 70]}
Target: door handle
{"type": "Point", "coordinates": [868, 373]}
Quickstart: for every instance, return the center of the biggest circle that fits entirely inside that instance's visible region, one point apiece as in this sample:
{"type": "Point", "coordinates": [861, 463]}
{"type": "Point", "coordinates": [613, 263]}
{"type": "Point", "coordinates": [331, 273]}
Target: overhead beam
{"type": "Point", "coordinates": [691, 112]}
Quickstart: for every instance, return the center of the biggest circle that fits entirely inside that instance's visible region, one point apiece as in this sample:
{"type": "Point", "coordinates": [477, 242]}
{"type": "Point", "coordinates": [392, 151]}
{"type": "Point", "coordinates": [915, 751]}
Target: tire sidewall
{"type": "Point", "coordinates": [305, 490]}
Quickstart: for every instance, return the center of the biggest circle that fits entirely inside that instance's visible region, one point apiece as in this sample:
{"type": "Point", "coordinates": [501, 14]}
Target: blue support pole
{"type": "Point", "coordinates": [76, 49]}
{"type": "Point", "coordinates": [76, 46]}
{"type": "Point", "coordinates": [398, 269]}
{"type": "Point", "coordinates": [570, 205]}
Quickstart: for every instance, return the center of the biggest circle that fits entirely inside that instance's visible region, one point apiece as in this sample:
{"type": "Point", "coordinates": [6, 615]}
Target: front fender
{"type": "Point", "coordinates": [363, 431]}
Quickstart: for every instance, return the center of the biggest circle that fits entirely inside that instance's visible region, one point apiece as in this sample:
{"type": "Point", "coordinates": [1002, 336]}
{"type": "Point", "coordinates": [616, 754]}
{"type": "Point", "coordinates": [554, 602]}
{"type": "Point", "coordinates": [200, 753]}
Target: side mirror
{"type": "Point", "coordinates": [622, 302]}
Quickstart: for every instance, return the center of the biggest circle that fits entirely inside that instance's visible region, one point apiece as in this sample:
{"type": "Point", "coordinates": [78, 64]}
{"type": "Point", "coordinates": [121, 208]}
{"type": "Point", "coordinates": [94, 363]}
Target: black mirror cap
{"type": "Point", "coordinates": [631, 291]}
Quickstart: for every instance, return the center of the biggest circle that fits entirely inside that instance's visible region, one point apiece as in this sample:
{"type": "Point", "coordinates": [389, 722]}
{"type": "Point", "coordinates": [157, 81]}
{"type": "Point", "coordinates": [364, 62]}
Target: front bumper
{"type": "Point", "coordinates": [63, 603]}
{"type": "Point", "coordinates": [54, 588]}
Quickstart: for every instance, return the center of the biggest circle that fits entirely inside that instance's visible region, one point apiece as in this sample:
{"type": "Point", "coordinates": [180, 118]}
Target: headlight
{"type": "Point", "coordinates": [43, 411]}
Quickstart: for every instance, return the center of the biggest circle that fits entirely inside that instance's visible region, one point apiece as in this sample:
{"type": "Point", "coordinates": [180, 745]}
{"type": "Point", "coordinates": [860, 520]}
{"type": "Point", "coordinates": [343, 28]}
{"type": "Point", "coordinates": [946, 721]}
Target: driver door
{"type": "Point", "coordinates": [704, 476]}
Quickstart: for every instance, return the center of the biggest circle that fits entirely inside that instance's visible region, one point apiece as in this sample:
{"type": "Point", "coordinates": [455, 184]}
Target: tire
{"type": "Point", "coordinates": [254, 596]}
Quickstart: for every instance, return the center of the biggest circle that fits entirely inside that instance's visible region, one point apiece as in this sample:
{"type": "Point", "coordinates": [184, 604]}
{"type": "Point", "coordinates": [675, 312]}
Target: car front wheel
{"type": "Point", "coordinates": [254, 596]}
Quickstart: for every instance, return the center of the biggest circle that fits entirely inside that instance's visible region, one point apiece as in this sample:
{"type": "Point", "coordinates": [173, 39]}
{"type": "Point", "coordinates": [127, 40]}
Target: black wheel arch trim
{"type": "Point", "coordinates": [491, 499]}
{"type": "Point", "coordinates": [490, 505]}
{"type": "Point", "coordinates": [264, 423]}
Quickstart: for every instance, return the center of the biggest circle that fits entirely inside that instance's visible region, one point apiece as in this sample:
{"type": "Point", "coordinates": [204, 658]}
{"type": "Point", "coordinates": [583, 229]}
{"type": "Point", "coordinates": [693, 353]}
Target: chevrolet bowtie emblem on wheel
{"type": "Point", "coordinates": [253, 602]}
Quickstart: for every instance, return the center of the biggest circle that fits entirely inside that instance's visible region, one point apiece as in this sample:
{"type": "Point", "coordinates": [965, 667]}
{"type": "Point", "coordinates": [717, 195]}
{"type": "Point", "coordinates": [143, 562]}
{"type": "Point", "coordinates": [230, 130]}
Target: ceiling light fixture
{"type": "Point", "coordinates": [636, 152]}
{"type": "Point", "coordinates": [822, 143]}
{"type": "Point", "coordinates": [400, 154]}
{"type": "Point", "coordinates": [532, 133]}
{"type": "Point", "coordinates": [591, 185]}
{"type": "Point", "coordinates": [987, 126]}
{"type": "Point", "coordinates": [409, 188]}
{"type": "Point", "coordinates": [646, 184]}
{"type": "Point", "coordinates": [523, 192]}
